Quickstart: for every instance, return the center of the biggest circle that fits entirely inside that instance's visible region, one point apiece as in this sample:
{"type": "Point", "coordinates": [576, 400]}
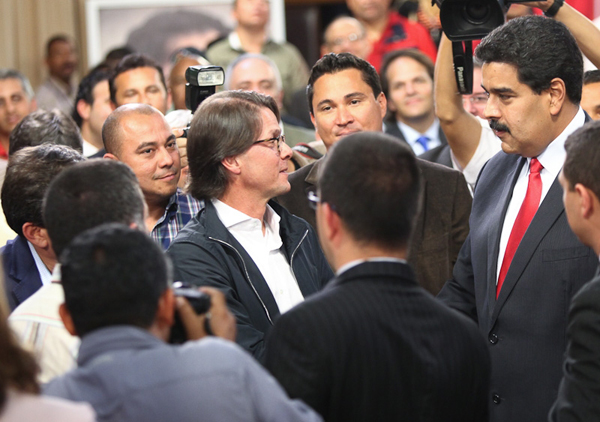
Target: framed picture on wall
{"type": "Point", "coordinates": [159, 27]}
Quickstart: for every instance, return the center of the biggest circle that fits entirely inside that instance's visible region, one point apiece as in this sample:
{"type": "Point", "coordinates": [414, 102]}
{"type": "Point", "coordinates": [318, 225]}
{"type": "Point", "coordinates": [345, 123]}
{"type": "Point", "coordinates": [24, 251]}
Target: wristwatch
{"type": "Point", "coordinates": [553, 10]}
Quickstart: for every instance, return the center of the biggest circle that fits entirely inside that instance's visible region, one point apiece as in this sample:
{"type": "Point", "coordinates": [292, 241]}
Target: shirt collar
{"type": "Point", "coordinates": [412, 135]}
{"type": "Point", "coordinates": [357, 262]}
{"type": "Point", "coordinates": [553, 157]}
{"type": "Point", "coordinates": [230, 217]}
{"type": "Point", "coordinates": [45, 276]}
{"type": "Point", "coordinates": [235, 43]}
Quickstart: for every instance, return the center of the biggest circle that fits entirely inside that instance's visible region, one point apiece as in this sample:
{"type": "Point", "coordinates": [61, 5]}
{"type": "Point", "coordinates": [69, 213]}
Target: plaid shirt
{"type": "Point", "coordinates": [180, 209]}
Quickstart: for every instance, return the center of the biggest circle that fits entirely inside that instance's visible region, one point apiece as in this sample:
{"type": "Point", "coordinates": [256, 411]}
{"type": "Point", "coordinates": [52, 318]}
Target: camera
{"type": "Point", "coordinates": [202, 82]}
{"type": "Point", "coordinates": [200, 302]}
{"type": "Point", "coordinates": [464, 21]}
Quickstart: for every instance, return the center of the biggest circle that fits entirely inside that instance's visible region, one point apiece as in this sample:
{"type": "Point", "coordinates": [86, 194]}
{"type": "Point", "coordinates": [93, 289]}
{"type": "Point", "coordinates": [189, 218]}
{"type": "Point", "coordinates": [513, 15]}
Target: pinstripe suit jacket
{"type": "Point", "coordinates": [374, 346]}
{"type": "Point", "coordinates": [526, 326]}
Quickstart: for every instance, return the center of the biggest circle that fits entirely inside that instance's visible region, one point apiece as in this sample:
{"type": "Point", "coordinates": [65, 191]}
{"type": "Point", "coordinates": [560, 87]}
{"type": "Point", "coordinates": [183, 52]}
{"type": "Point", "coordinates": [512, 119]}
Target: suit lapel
{"type": "Point", "coordinates": [415, 242]}
{"type": "Point", "coordinates": [549, 211]}
{"type": "Point", "coordinates": [494, 235]}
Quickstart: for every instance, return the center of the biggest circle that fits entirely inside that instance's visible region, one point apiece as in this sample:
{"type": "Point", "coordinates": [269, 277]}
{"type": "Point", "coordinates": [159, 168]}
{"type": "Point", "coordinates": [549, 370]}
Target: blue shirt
{"type": "Point", "coordinates": [180, 209]}
{"type": "Point", "coordinates": [127, 374]}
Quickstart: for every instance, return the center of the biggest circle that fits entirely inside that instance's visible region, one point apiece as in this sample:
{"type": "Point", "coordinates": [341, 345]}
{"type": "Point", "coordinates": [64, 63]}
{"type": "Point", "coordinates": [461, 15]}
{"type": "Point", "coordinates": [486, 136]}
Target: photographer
{"type": "Point", "coordinates": [118, 300]}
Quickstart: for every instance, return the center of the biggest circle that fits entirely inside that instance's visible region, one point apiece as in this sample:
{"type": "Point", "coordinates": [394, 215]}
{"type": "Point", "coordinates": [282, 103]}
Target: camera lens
{"type": "Point", "coordinates": [476, 12]}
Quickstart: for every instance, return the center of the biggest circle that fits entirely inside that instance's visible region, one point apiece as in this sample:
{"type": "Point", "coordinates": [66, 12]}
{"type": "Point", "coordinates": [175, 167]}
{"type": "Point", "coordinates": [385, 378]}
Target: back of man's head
{"type": "Point", "coordinates": [372, 181]}
{"type": "Point", "coordinates": [113, 275]}
{"type": "Point", "coordinates": [129, 62]}
{"type": "Point", "coordinates": [90, 194]}
{"type": "Point", "coordinates": [540, 49]}
{"type": "Point", "coordinates": [45, 127]}
{"type": "Point", "coordinates": [85, 91]}
{"type": "Point", "coordinates": [583, 158]}
{"type": "Point", "coordinates": [226, 124]}
{"type": "Point", "coordinates": [333, 63]}
{"type": "Point", "coordinates": [28, 175]}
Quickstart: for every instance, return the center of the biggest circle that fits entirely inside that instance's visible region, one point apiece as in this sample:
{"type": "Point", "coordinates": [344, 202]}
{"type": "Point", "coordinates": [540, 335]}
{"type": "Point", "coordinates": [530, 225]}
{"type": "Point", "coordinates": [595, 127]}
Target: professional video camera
{"type": "Point", "coordinates": [202, 82]}
{"type": "Point", "coordinates": [464, 21]}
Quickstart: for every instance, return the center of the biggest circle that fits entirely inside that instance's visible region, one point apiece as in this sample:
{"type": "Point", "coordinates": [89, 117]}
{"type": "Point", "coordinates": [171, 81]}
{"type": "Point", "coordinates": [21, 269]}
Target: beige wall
{"type": "Point", "coordinates": [26, 25]}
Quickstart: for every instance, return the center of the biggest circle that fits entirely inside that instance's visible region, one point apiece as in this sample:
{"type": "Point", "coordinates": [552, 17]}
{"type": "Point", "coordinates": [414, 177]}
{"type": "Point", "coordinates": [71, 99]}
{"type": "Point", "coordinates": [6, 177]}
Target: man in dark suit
{"type": "Point", "coordinates": [407, 82]}
{"type": "Point", "coordinates": [579, 391]}
{"type": "Point", "coordinates": [345, 96]}
{"type": "Point", "coordinates": [380, 347]}
{"type": "Point", "coordinates": [522, 264]}
{"type": "Point", "coordinates": [29, 258]}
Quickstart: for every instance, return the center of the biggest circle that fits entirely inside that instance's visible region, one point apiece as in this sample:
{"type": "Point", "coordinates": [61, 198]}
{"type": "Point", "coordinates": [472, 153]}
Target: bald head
{"type": "Point", "coordinates": [255, 72]}
{"type": "Point", "coordinates": [346, 35]}
{"type": "Point", "coordinates": [113, 132]}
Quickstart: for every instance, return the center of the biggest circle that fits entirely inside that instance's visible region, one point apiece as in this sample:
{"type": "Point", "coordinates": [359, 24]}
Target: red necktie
{"type": "Point", "coordinates": [526, 213]}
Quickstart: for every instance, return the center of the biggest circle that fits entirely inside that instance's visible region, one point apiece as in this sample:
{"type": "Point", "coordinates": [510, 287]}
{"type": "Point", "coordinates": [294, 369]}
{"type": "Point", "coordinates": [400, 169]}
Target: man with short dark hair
{"type": "Point", "coordinates": [345, 96]}
{"type": "Point", "coordinates": [578, 394]}
{"type": "Point", "coordinates": [139, 79]}
{"type": "Point", "coordinates": [16, 102]}
{"type": "Point", "coordinates": [59, 89]}
{"type": "Point", "coordinates": [251, 35]}
{"type": "Point", "coordinates": [118, 299]}
{"type": "Point", "coordinates": [522, 264]}
{"type": "Point", "coordinates": [139, 136]}
{"type": "Point", "coordinates": [407, 82]}
{"type": "Point", "coordinates": [29, 259]}
{"type": "Point", "coordinates": [373, 322]}
{"type": "Point", "coordinates": [45, 127]}
{"type": "Point", "coordinates": [263, 258]}
{"type": "Point", "coordinates": [590, 95]}
{"type": "Point", "coordinates": [83, 196]}
{"type": "Point", "coordinates": [92, 107]}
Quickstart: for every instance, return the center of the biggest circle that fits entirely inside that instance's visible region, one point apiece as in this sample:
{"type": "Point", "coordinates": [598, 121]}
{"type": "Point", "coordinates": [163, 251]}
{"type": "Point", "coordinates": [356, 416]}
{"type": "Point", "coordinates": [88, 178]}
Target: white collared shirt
{"type": "Point", "coordinates": [265, 250]}
{"type": "Point", "coordinates": [44, 272]}
{"type": "Point", "coordinates": [411, 136]}
{"type": "Point", "coordinates": [552, 159]}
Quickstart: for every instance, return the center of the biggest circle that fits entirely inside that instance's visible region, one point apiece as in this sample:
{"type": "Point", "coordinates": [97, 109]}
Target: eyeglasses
{"type": "Point", "coordinates": [272, 143]}
{"type": "Point", "coordinates": [351, 38]}
{"type": "Point", "coordinates": [476, 99]}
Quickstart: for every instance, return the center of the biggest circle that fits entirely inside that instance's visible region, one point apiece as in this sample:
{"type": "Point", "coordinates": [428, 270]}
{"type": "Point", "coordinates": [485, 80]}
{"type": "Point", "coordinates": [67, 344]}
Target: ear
{"type": "Point", "coordinates": [113, 105]}
{"type": "Point", "coordinates": [382, 101]}
{"type": "Point", "coordinates": [232, 164]}
{"type": "Point", "coordinates": [83, 109]}
{"type": "Point", "coordinates": [110, 156]}
{"type": "Point", "coordinates": [586, 200]}
{"type": "Point", "coordinates": [67, 320]}
{"type": "Point", "coordinates": [169, 99]}
{"type": "Point", "coordinates": [33, 105]}
{"type": "Point", "coordinates": [165, 314]}
{"type": "Point", "coordinates": [324, 50]}
{"type": "Point", "coordinates": [558, 95]}
{"type": "Point", "coordinates": [331, 223]}
{"type": "Point", "coordinates": [37, 235]}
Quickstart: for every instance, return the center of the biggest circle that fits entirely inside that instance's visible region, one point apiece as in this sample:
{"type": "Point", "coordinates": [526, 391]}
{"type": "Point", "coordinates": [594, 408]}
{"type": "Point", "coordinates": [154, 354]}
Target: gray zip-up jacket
{"type": "Point", "coordinates": [205, 253]}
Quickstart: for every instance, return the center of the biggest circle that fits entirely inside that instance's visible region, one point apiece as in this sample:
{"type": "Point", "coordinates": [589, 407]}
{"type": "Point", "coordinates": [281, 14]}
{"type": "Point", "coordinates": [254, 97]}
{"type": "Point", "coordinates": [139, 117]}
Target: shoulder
{"type": "Point", "coordinates": [439, 173]}
{"type": "Point", "coordinates": [21, 407]}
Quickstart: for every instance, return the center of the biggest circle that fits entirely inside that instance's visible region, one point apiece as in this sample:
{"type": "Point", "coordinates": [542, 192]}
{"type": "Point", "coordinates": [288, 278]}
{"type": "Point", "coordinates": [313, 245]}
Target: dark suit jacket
{"type": "Point", "coordinates": [21, 276]}
{"type": "Point", "coordinates": [526, 326]}
{"type": "Point", "coordinates": [579, 391]}
{"type": "Point", "coordinates": [439, 154]}
{"type": "Point", "coordinates": [374, 346]}
{"type": "Point", "coordinates": [441, 227]}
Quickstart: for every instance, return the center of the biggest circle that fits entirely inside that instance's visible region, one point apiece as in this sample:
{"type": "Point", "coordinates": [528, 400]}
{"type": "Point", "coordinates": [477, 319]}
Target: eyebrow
{"type": "Point", "coordinates": [145, 145]}
{"type": "Point", "coordinates": [346, 97]}
{"type": "Point", "coordinates": [498, 90]}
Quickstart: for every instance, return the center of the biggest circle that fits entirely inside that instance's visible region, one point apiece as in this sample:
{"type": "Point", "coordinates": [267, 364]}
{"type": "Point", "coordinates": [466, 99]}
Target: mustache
{"type": "Point", "coordinates": [495, 125]}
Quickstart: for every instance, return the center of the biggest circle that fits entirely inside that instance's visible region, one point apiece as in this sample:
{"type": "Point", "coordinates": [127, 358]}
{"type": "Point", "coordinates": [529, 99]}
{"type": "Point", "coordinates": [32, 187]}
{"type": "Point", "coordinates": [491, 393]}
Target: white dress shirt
{"type": "Point", "coordinates": [552, 159]}
{"type": "Point", "coordinates": [265, 251]}
{"type": "Point", "coordinates": [45, 275]}
{"type": "Point", "coordinates": [411, 135]}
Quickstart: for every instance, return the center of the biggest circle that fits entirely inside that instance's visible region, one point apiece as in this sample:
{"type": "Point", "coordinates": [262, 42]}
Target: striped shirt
{"type": "Point", "coordinates": [180, 209]}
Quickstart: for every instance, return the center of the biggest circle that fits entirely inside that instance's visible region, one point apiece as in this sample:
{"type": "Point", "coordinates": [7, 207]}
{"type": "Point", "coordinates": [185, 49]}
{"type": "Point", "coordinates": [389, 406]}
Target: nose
{"type": "Point", "coordinates": [165, 158]}
{"type": "Point", "coordinates": [491, 110]}
{"type": "Point", "coordinates": [409, 88]}
{"type": "Point", "coordinates": [285, 152]}
{"type": "Point", "coordinates": [344, 116]}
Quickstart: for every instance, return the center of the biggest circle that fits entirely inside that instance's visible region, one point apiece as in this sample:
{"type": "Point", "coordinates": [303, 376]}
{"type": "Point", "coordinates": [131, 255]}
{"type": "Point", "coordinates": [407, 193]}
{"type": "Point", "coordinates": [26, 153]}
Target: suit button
{"type": "Point", "coordinates": [493, 338]}
{"type": "Point", "coordinates": [496, 399]}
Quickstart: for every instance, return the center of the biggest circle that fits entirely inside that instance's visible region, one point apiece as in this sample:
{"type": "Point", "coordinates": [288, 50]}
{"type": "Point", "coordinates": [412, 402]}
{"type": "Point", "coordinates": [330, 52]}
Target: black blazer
{"type": "Point", "coordinates": [439, 154]}
{"type": "Point", "coordinates": [21, 276]}
{"type": "Point", "coordinates": [579, 391]}
{"type": "Point", "coordinates": [440, 229]}
{"type": "Point", "coordinates": [374, 346]}
{"type": "Point", "coordinates": [526, 326]}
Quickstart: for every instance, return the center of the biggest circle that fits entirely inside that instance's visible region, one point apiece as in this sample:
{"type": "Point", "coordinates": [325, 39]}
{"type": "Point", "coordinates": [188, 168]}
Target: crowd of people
{"type": "Point", "coordinates": [373, 245]}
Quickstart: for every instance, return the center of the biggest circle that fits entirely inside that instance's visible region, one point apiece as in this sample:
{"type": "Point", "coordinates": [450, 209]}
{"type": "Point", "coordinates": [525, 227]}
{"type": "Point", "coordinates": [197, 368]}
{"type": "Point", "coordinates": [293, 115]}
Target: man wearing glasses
{"type": "Point", "coordinates": [264, 259]}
